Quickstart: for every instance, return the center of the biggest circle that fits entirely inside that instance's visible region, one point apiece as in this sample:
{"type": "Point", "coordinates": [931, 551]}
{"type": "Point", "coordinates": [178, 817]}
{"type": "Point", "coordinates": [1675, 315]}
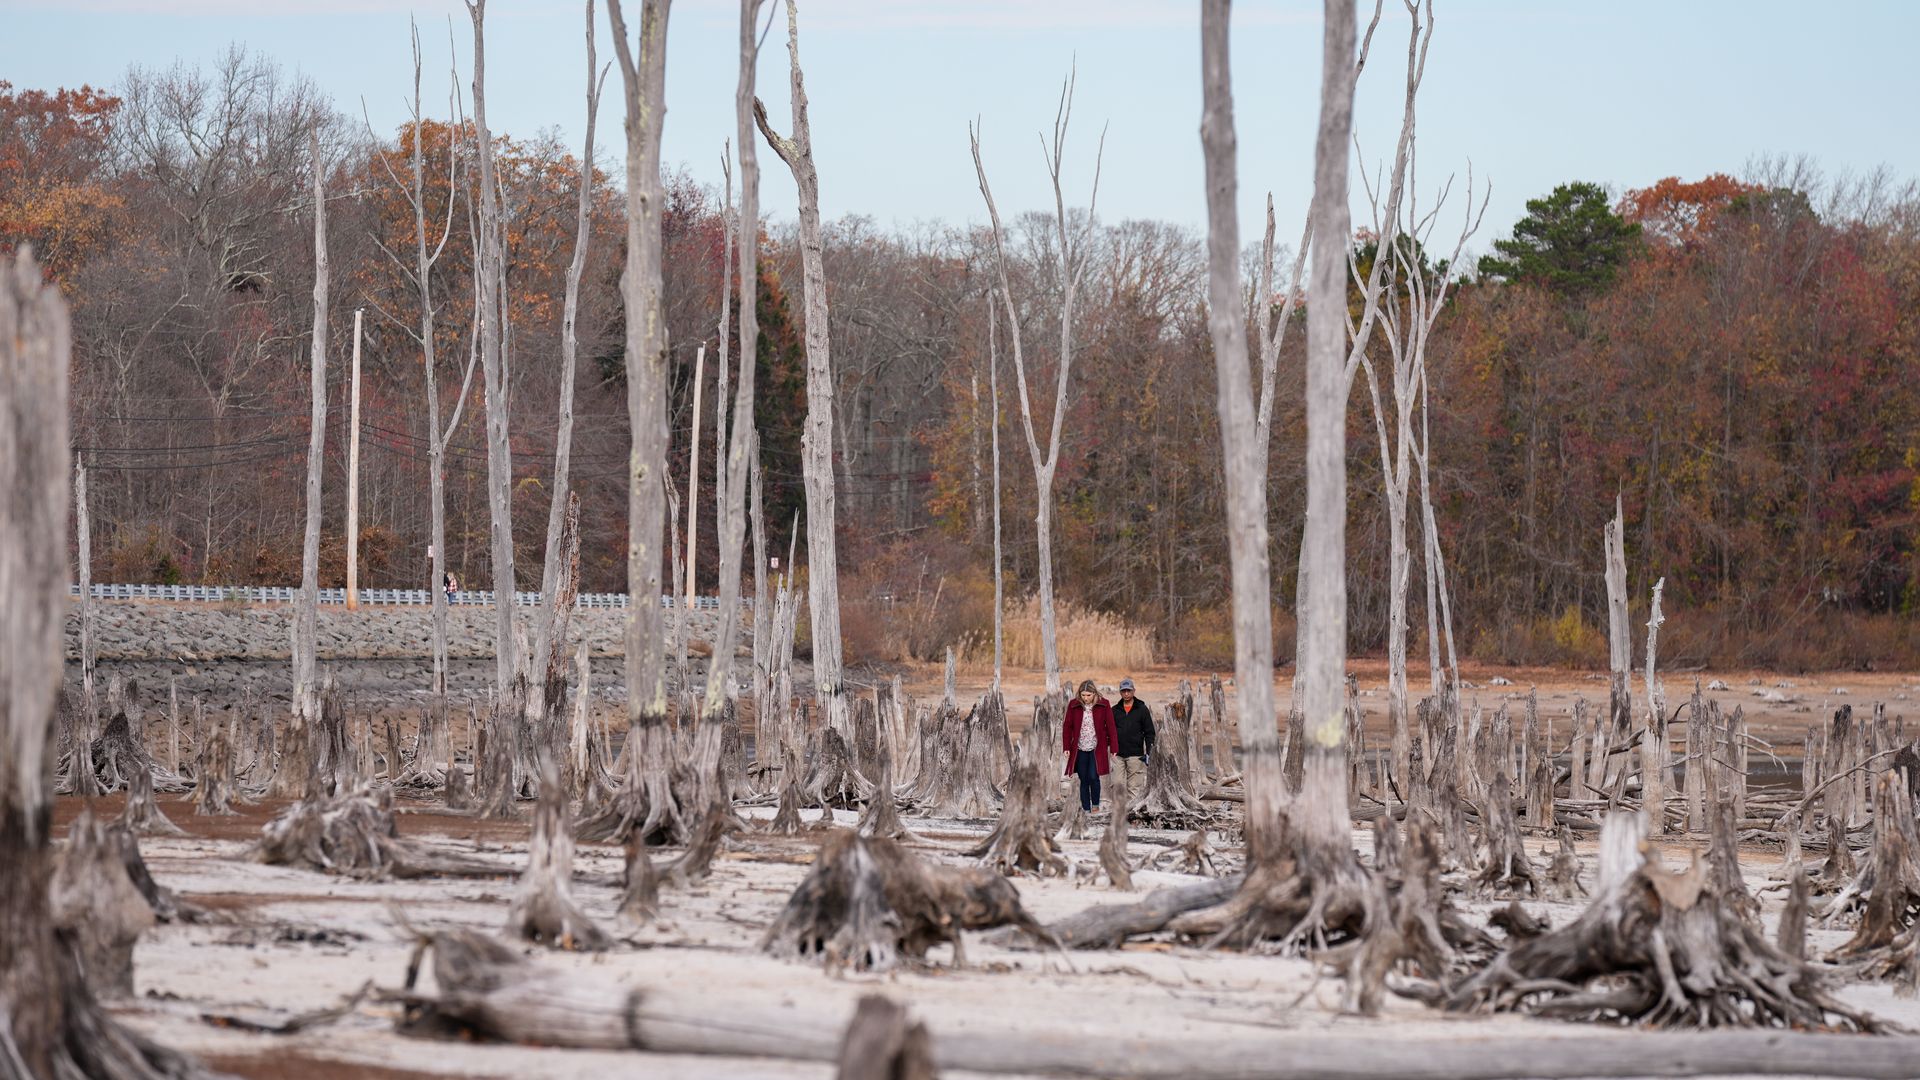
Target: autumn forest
{"type": "Point", "coordinates": [1734, 357]}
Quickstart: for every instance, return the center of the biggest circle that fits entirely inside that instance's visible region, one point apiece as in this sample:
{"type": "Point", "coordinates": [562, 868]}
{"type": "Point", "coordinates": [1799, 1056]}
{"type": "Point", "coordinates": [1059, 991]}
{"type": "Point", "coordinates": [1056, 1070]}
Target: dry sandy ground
{"type": "Point", "coordinates": [296, 941]}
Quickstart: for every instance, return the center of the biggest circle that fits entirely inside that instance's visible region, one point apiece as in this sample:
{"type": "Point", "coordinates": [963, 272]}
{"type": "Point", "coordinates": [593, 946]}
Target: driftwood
{"type": "Point", "coordinates": [1108, 926]}
{"type": "Point", "coordinates": [870, 904]}
{"type": "Point", "coordinates": [1654, 948]}
{"type": "Point", "coordinates": [543, 909]}
{"type": "Point", "coordinates": [1019, 841]}
{"type": "Point", "coordinates": [354, 834]}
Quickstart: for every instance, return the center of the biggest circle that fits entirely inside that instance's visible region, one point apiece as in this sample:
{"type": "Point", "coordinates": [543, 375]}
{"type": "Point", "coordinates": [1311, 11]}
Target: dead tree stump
{"type": "Point", "coordinates": [1506, 867]}
{"type": "Point", "coordinates": [213, 793]}
{"type": "Point", "coordinates": [870, 905]}
{"type": "Point", "coordinates": [1654, 948]}
{"type": "Point", "coordinates": [354, 835]}
{"type": "Point", "coordinates": [1019, 841]}
{"type": "Point", "coordinates": [1113, 843]}
{"type": "Point", "coordinates": [960, 784]}
{"type": "Point", "coordinates": [640, 885]}
{"type": "Point", "coordinates": [96, 904]}
{"type": "Point", "coordinates": [543, 909]}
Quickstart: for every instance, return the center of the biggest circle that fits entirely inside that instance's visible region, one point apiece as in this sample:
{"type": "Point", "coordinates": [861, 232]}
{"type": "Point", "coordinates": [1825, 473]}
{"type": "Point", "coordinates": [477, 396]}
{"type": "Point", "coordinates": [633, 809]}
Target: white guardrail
{"type": "Point", "coordinates": [280, 594]}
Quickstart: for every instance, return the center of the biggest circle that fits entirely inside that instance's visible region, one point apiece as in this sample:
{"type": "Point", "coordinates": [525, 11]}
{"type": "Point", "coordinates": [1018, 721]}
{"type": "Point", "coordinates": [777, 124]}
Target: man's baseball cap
{"type": "Point", "coordinates": [1126, 684]}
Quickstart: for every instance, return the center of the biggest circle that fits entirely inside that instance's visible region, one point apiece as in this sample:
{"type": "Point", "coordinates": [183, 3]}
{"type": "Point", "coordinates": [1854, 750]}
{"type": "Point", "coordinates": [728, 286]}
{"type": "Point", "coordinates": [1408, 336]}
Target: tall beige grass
{"type": "Point", "coordinates": [1088, 641]}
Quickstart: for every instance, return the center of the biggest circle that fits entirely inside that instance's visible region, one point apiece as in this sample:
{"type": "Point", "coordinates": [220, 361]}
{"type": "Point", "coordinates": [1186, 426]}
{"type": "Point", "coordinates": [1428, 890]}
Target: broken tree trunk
{"type": "Point", "coordinates": [1113, 843]}
{"type": "Point", "coordinates": [543, 909]}
{"type": "Point", "coordinates": [959, 782]}
{"type": "Point", "coordinates": [96, 906]}
{"type": "Point", "coordinates": [883, 1043]}
{"type": "Point", "coordinates": [1020, 841]}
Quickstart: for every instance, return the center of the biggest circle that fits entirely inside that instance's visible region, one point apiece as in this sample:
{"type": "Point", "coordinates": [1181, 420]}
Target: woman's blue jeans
{"type": "Point", "coordinates": [1085, 766]}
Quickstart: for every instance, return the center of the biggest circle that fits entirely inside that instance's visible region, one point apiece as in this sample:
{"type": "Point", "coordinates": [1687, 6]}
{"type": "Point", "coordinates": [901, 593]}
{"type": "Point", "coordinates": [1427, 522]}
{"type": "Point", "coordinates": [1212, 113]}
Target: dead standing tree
{"type": "Point", "coordinates": [823, 574]}
{"type": "Point", "coordinates": [503, 727]}
{"type": "Point", "coordinates": [306, 614]}
{"type": "Point", "coordinates": [1071, 251]}
{"type": "Point", "coordinates": [738, 446]}
{"type": "Point", "coordinates": [50, 1023]}
{"type": "Point", "coordinates": [646, 800]}
{"type": "Point", "coordinates": [1303, 879]}
{"type": "Point", "coordinates": [550, 645]}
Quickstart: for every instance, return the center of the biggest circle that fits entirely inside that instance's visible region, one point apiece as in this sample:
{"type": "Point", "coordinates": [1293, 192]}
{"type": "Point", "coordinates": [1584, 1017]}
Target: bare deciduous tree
{"type": "Point", "coordinates": [823, 574]}
{"type": "Point", "coordinates": [1071, 253]}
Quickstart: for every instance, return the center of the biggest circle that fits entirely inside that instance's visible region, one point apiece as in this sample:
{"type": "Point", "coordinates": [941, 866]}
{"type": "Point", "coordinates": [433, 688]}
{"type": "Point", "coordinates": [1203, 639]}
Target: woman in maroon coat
{"type": "Point", "coordinates": [1088, 738]}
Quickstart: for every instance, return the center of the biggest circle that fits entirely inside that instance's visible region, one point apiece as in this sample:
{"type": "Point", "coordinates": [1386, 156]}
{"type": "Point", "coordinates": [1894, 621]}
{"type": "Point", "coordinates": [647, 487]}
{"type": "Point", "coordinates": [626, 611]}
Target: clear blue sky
{"type": "Point", "coordinates": [1535, 92]}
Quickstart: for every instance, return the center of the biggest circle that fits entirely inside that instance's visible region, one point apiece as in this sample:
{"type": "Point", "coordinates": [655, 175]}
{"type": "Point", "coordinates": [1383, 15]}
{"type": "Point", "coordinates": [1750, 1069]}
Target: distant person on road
{"type": "Point", "coordinates": [1087, 736]}
{"type": "Point", "coordinates": [1133, 727]}
{"type": "Point", "coordinates": [451, 584]}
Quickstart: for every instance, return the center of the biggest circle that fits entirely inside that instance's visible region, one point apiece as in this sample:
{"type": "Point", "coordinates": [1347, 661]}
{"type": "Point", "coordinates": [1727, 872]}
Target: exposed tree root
{"type": "Point", "coordinates": [543, 908]}
{"type": "Point", "coordinates": [142, 814]}
{"type": "Point", "coordinates": [1167, 799]}
{"type": "Point", "coordinates": [870, 904]}
{"type": "Point", "coordinates": [697, 862]}
{"type": "Point", "coordinates": [1019, 841]}
{"type": "Point", "coordinates": [1654, 948]}
{"type": "Point", "coordinates": [646, 799]}
{"type": "Point", "coordinates": [354, 834]}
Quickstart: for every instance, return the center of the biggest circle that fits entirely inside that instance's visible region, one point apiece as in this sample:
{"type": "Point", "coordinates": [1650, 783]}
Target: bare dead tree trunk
{"type": "Point", "coordinates": [83, 526]}
{"type": "Point", "coordinates": [1246, 488]}
{"type": "Point", "coordinates": [999, 582]}
{"type": "Point", "coordinates": [646, 801]}
{"type": "Point", "coordinates": [550, 638]}
{"type": "Point", "coordinates": [306, 610]}
{"type": "Point", "coordinates": [823, 574]}
{"type": "Point", "coordinates": [1073, 262]}
{"type": "Point", "coordinates": [1653, 745]}
{"type": "Point", "coordinates": [1619, 639]}
{"type": "Point", "coordinates": [50, 1024]}
{"type": "Point", "coordinates": [505, 722]}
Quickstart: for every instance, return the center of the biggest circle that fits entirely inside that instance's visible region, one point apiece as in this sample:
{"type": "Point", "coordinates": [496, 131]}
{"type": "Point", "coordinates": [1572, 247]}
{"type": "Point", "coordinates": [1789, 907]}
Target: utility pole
{"type": "Point", "coordinates": [693, 470]}
{"type": "Point", "coordinates": [353, 475]}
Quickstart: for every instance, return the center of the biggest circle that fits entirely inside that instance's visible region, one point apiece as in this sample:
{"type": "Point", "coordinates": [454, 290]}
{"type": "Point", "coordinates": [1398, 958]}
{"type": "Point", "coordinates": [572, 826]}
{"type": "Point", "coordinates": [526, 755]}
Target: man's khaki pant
{"type": "Point", "coordinates": [1134, 771]}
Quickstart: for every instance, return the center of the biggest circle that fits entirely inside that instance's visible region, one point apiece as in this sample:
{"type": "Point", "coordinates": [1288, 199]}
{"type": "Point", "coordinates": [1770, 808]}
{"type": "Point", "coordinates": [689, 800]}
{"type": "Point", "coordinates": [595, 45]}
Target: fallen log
{"type": "Point", "coordinates": [488, 991]}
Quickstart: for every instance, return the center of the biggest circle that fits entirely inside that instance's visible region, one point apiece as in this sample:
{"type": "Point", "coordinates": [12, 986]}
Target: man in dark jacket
{"type": "Point", "coordinates": [1133, 723]}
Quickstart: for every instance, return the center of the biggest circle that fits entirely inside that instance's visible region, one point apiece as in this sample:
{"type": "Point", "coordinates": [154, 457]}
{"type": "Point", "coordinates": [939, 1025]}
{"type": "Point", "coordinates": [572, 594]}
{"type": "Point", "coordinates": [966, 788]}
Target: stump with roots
{"type": "Point", "coordinates": [1655, 948]}
{"type": "Point", "coordinates": [697, 861]}
{"type": "Point", "coordinates": [786, 820]}
{"type": "Point", "coordinates": [959, 783]}
{"type": "Point", "coordinates": [213, 793]}
{"type": "Point", "coordinates": [1884, 945]}
{"type": "Point", "coordinates": [869, 905]}
{"type": "Point", "coordinates": [882, 815]}
{"type": "Point", "coordinates": [832, 780]}
{"type": "Point", "coordinates": [1840, 869]}
{"type": "Point", "coordinates": [1165, 801]}
{"type": "Point", "coordinates": [96, 903]}
{"type": "Point", "coordinates": [1505, 868]}
{"type": "Point", "coordinates": [354, 834]}
{"type": "Point", "coordinates": [142, 814]}
{"type": "Point", "coordinates": [1019, 841]}
{"type": "Point", "coordinates": [116, 756]}
{"type": "Point", "coordinates": [543, 909]}
{"type": "Point", "coordinates": [646, 800]}
{"type": "Point", "coordinates": [1197, 855]}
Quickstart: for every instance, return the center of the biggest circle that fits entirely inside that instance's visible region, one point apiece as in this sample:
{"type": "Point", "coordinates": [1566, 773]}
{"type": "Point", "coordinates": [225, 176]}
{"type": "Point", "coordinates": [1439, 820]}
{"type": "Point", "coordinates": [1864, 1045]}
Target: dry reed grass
{"type": "Point", "coordinates": [1087, 640]}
